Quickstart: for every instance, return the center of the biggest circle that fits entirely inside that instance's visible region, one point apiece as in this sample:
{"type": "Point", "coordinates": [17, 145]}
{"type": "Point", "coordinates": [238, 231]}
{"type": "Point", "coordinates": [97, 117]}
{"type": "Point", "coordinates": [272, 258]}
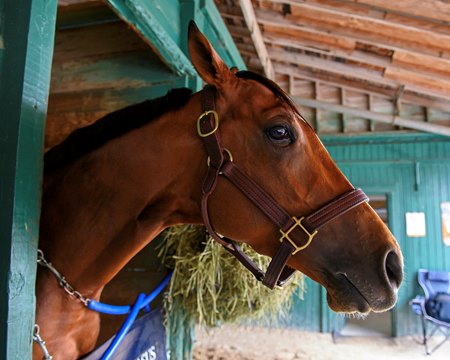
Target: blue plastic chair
{"type": "Point", "coordinates": [432, 282]}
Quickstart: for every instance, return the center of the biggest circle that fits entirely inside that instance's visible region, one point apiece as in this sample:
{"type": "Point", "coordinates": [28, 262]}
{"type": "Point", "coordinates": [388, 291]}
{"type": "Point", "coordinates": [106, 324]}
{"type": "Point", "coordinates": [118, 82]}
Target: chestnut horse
{"type": "Point", "coordinates": [112, 187]}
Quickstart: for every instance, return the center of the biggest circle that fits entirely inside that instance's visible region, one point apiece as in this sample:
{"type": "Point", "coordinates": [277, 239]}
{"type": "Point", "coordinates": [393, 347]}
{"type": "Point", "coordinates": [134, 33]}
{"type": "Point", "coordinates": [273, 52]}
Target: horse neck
{"type": "Point", "coordinates": [115, 201]}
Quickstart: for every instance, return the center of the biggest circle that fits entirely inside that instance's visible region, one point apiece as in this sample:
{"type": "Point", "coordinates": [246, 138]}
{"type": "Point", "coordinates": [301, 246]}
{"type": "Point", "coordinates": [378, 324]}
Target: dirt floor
{"type": "Point", "coordinates": [245, 343]}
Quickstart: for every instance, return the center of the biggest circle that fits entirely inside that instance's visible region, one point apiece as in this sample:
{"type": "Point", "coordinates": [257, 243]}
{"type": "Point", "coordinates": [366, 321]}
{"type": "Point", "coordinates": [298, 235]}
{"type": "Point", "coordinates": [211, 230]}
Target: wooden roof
{"type": "Point", "coordinates": [352, 65]}
{"type": "Point", "coordinates": [333, 56]}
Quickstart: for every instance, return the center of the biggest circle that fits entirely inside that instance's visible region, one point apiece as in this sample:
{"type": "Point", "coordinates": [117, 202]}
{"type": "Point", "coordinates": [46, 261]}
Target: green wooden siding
{"type": "Point", "coordinates": [26, 42]}
{"type": "Point", "coordinates": [164, 25]}
{"type": "Point", "coordinates": [414, 172]}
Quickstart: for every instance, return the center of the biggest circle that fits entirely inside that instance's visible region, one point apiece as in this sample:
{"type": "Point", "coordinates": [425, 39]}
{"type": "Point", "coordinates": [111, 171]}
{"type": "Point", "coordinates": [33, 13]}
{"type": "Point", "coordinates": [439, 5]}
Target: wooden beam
{"type": "Point", "coordinates": [432, 14]}
{"type": "Point", "coordinates": [421, 23]}
{"type": "Point", "coordinates": [331, 66]}
{"type": "Point", "coordinates": [141, 17]}
{"type": "Point", "coordinates": [255, 33]}
{"type": "Point", "coordinates": [312, 37]}
{"type": "Point", "coordinates": [343, 117]}
{"type": "Point", "coordinates": [419, 82]}
{"type": "Point", "coordinates": [375, 116]}
{"type": "Point", "coordinates": [356, 55]}
{"type": "Point", "coordinates": [361, 28]}
{"type": "Point", "coordinates": [420, 62]}
{"type": "Point", "coordinates": [423, 64]}
{"type": "Point", "coordinates": [26, 48]}
{"type": "Point", "coordinates": [84, 44]}
{"type": "Point", "coordinates": [316, 110]}
{"type": "Point", "coordinates": [370, 106]}
{"type": "Point", "coordinates": [437, 102]}
{"type": "Point", "coordinates": [432, 9]}
{"type": "Point", "coordinates": [80, 14]}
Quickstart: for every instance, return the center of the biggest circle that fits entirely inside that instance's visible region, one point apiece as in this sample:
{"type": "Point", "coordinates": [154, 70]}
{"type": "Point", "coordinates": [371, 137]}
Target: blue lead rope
{"type": "Point", "coordinates": [142, 301]}
{"type": "Point", "coordinates": [122, 310]}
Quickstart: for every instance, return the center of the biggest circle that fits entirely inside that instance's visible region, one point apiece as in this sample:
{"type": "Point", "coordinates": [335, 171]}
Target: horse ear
{"type": "Point", "coordinates": [205, 59]}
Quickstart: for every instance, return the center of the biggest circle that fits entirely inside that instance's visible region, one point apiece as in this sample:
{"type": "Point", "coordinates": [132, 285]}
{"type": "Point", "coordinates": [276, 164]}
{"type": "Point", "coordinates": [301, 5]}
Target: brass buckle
{"type": "Point", "coordinates": [285, 235]}
{"type": "Point", "coordinates": [228, 152]}
{"type": "Point", "coordinates": [216, 123]}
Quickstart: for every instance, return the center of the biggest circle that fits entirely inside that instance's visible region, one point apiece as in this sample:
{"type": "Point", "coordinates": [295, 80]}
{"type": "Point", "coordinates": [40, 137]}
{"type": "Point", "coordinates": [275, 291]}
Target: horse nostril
{"type": "Point", "coordinates": [394, 270]}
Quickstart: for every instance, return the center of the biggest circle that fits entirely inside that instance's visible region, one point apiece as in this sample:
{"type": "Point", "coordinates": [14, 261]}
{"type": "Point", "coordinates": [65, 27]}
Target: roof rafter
{"type": "Point", "coordinates": [375, 116]}
{"type": "Point", "coordinates": [255, 33]}
{"type": "Point", "coordinates": [363, 86]}
{"type": "Point", "coordinates": [361, 28]}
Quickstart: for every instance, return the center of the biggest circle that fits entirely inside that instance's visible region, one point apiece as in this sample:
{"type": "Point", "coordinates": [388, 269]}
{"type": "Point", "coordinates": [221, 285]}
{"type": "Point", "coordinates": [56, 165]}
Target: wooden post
{"type": "Point", "coordinates": [317, 110]}
{"type": "Point", "coordinates": [343, 116]}
{"type": "Point", "coordinates": [190, 10]}
{"type": "Point", "coordinates": [370, 106]}
{"type": "Point", "coordinates": [26, 49]}
{"type": "Point", "coordinates": [258, 41]}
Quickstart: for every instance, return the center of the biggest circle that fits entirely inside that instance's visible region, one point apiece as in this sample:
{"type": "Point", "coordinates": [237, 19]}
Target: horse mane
{"type": "Point", "coordinates": [89, 138]}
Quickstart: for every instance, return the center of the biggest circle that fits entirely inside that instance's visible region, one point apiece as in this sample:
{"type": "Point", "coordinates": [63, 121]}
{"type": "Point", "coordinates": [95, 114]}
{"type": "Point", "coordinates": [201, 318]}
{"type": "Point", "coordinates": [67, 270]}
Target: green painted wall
{"type": "Point", "coordinates": [414, 171]}
{"type": "Point", "coordinates": [26, 46]}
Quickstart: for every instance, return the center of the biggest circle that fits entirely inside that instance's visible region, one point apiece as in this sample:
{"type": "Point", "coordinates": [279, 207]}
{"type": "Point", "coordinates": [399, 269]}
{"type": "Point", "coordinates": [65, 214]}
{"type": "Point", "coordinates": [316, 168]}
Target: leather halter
{"type": "Point", "coordinates": [297, 234]}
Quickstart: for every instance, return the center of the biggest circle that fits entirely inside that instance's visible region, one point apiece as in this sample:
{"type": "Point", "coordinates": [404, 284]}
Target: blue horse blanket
{"type": "Point", "coordinates": [146, 340]}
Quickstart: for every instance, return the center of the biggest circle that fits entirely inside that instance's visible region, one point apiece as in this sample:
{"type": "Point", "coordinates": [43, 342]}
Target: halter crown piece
{"type": "Point", "coordinates": [296, 233]}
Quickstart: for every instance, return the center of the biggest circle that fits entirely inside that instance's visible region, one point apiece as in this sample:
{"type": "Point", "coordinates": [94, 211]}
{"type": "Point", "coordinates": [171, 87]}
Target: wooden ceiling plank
{"type": "Point", "coordinates": [379, 30]}
{"type": "Point", "coordinates": [309, 36]}
{"type": "Point", "coordinates": [81, 43]}
{"type": "Point", "coordinates": [422, 62]}
{"type": "Point", "coordinates": [433, 9]}
{"type": "Point", "coordinates": [236, 30]}
{"type": "Point", "coordinates": [427, 24]}
{"type": "Point", "coordinates": [430, 18]}
{"type": "Point", "coordinates": [356, 55]}
{"type": "Point", "coordinates": [375, 116]}
{"type": "Point", "coordinates": [359, 28]}
{"type": "Point", "coordinates": [378, 90]}
{"type": "Point", "coordinates": [419, 81]}
{"type": "Point", "coordinates": [335, 80]}
{"type": "Point", "coordinates": [331, 66]}
{"type": "Point", "coordinates": [347, 6]}
{"type": "Point", "coordinates": [255, 33]}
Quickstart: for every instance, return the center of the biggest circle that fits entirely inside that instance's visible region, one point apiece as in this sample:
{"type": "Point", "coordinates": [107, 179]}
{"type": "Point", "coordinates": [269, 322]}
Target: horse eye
{"type": "Point", "coordinates": [280, 135]}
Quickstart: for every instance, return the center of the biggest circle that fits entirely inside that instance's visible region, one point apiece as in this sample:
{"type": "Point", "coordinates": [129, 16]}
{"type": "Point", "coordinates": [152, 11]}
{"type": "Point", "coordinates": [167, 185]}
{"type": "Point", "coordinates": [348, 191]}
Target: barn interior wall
{"type": "Point", "coordinates": [100, 69]}
{"type": "Point", "coordinates": [414, 172]}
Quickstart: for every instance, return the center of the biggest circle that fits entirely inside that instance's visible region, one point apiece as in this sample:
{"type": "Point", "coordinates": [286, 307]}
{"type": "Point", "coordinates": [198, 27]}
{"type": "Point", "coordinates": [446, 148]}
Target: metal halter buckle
{"type": "Point", "coordinates": [285, 235]}
{"type": "Point", "coordinates": [228, 152]}
{"type": "Point", "coordinates": [216, 123]}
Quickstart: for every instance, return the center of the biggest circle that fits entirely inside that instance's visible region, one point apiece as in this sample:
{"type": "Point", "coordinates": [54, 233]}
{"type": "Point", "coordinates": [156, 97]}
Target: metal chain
{"type": "Point", "coordinates": [37, 338]}
{"type": "Point", "coordinates": [62, 280]}
{"type": "Point", "coordinates": [66, 287]}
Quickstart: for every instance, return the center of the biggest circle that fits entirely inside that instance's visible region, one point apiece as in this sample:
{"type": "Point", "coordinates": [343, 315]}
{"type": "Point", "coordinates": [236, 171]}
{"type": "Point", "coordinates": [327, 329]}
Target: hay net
{"type": "Point", "coordinates": [210, 287]}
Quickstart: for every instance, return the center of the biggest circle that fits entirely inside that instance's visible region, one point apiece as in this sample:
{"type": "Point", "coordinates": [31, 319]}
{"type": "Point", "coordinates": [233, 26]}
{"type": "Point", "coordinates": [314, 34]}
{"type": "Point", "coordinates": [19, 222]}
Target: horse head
{"type": "Point", "coordinates": [354, 256]}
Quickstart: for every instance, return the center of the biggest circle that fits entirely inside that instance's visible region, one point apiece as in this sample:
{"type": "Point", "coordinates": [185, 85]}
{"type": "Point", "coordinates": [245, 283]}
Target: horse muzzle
{"type": "Point", "coordinates": [350, 293]}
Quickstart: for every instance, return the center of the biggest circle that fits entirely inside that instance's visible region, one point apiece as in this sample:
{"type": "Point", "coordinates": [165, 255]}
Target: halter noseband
{"type": "Point", "coordinates": [296, 234]}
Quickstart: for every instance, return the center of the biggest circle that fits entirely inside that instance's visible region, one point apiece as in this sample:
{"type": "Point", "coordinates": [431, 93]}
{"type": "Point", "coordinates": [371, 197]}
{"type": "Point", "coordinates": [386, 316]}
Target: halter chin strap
{"type": "Point", "coordinates": [296, 233]}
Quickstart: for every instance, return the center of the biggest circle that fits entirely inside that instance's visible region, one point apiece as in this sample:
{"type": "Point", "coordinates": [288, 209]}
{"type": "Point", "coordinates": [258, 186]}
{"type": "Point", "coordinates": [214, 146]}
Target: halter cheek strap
{"type": "Point", "coordinates": [296, 233]}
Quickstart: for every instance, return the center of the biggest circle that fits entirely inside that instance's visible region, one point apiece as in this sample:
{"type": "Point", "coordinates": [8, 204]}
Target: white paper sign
{"type": "Point", "coordinates": [415, 224]}
{"type": "Point", "coordinates": [445, 217]}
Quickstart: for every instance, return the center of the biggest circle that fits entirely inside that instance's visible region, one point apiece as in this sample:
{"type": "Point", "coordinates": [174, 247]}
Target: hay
{"type": "Point", "coordinates": [210, 287]}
